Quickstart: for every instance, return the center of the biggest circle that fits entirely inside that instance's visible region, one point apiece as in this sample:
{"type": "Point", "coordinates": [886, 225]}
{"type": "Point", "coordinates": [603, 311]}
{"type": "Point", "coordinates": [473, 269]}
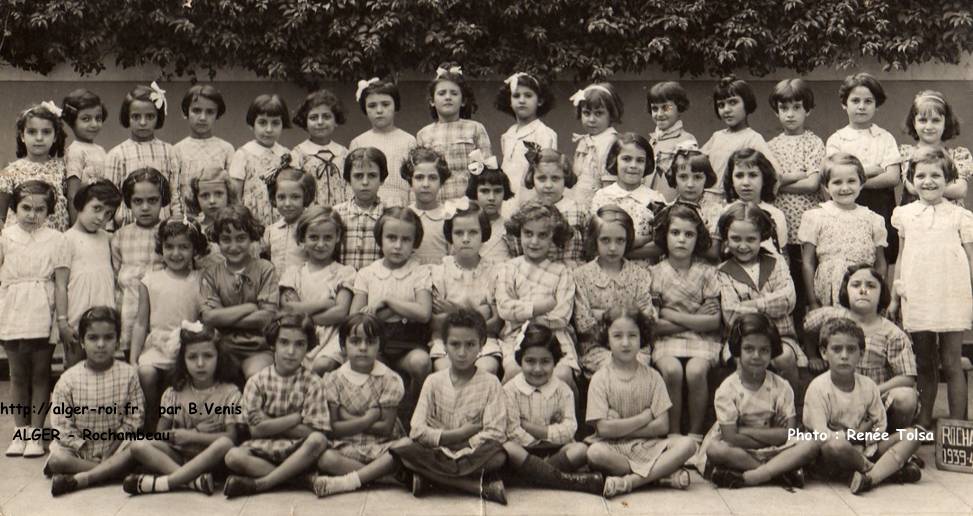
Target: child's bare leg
{"type": "Point", "coordinates": [243, 461]}
{"type": "Point", "coordinates": [681, 448]}
{"type": "Point", "coordinates": [62, 462]}
{"type": "Point", "coordinates": [516, 454]}
{"type": "Point", "coordinates": [696, 371]}
{"type": "Point", "coordinates": [841, 454]}
{"type": "Point", "coordinates": [40, 383]}
{"type": "Point", "coordinates": [510, 369]}
{"type": "Point", "coordinates": [672, 374]}
{"type": "Point", "coordinates": [322, 365]}
{"type": "Point", "coordinates": [471, 484]}
{"type": "Point", "coordinates": [256, 363]}
{"type": "Point", "coordinates": [113, 467]}
{"type": "Point", "coordinates": [951, 355]}
{"type": "Point", "coordinates": [894, 453]}
{"type": "Point", "coordinates": [21, 371]}
{"type": "Point", "coordinates": [488, 365]}
{"type": "Point", "coordinates": [297, 463]}
{"type": "Point", "coordinates": [927, 365]}
{"type": "Point", "coordinates": [157, 456]}
{"type": "Point", "coordinates": [202, 463]}
{"type": "Point", "coordinates": [787, 460]}
{"type": "Point", "coordinates": [577, 454]}
{"type": "Point", "coordinates": [603, 458]}
{"type": "Point", "coordinates": [149, 379]}
{"type": "Point", "coordinates": [905, 401]}
{"type": "Point", "coordinates": [72, 355]}
{"type": "Point", "coordinates": [720, 453]}
{"type": "Point", "coordinates": [786, 364]}
{"type": "Point", "coordinates": [416, 364]}
{"type": "Point", "coordinates": [333, 463]}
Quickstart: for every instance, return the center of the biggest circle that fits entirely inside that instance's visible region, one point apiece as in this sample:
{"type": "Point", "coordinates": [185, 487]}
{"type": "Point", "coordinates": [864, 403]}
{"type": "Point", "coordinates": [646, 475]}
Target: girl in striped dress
{"type": "Point", "coordinates": [628, 407]}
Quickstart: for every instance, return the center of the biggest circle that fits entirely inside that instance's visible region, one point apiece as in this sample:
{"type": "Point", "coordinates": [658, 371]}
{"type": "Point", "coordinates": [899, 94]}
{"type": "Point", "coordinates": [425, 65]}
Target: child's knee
{"type": "Point", "coordinates": [58, 461]}
{"type": "Point", "coordinates": [696, 370]}
{"type": "Point", "coordinates": [235, 458]}
{"type": "Point", "coordinates": [488, 365]}
{"type": "Point", "coordinates": [328, 460]}
{"type": "Point", "coordinates": [671, 370]}
{"type": "Point", "coordinates": [683, 445]}
{"type": "Point", "coordinates": [576, 452]}
{"type": "Point", "coordinates": [598, 454]}
{"type": "Point", "coordinates": [836, 450]}
{"type": "Point", "coordinates": [417, 363]}
{"type": "Point", "coordinates": [786, 361]}
{"type": "Point", "coordinates": [510, 369]}
{"type": "Point", "coordinates": [496, 462]}
{"type": "Point", "coordinates": [717, 451]}
{"type": "Point", "coordinates": [315, 444]}
{"type": "Point", "coordinates": [905, 401]}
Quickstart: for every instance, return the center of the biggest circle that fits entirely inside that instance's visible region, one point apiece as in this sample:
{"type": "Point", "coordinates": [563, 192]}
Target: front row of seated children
{"type": "Point", "coordinates": [337, 433]}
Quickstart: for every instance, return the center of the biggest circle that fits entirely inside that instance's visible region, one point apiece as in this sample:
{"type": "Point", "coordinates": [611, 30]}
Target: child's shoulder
{"type": "Point", "coordinates": [489, 379]}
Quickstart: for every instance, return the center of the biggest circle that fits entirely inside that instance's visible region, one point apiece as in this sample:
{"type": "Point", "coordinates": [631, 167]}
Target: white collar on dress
{"type": "Point", "coordinates": [382, 272]}
{"type": "Point", "coordinates": [547, 390]}
{"type": "Point", "coordinates": [359, 379]}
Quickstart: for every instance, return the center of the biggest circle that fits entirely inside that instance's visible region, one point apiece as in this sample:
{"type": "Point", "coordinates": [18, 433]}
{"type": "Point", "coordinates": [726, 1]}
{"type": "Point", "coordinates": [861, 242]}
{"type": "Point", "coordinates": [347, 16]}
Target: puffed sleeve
{"type": "Point", "coordinates": [291, 279]}
{"type": "Point", "coordinates": [598, 397]}
{"type": "Point", "coordinates": [421, 279]}
{"type": "Point", "coordinates": [393, 390]}
{"type": "Point", "coordinates": [880, 235]}
{"type": "Point", "coordinates": [315, 412]}
{"type": "Point", "coordinates": [61, 257]}
{"type": "Point", "coordinates": [73, 162]}
{"type": "Point", "coordinates": [362, 281]}
{"type": "Point", "coordinates": [815, 154]}
{"type": "Point", "coordinates": [808, 230]}
{"type": "Point", "coordinates": [238, 165]}
{"type": "Point", "coordinates": [966, 226]}
{"type": "Point", "coordinates": [815, 319]}
{"type": "Point", "coordinates": [890, 151]}
{"type": "Point", "coordinates": [209, 289]}
{"type": "Point", "coordinates": [783, 403]}
{"type": "Point", "coordinates": [515, 432]}
{"type": "Point", "coordinates": [346, 278]}
{"type": "Point", "coordinates": [253, 411]}
{"type": "Point", "coordinates": [897, 221]}
{"type": "Point", "coordinates": [724, 403]}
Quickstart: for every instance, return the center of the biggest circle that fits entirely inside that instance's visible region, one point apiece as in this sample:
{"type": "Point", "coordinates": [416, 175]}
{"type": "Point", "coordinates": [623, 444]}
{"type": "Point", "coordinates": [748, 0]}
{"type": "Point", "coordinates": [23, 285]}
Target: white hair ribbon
{"type": "Point", "coordinates": [362, 85]}
{"type": "Point", "coordinates": [478, 162]}
{"type": "Point", "coordinates": [52, 107]}
{"type": "Point", "coordinates": [579, 95]}
{"type": "Point", "coordinates": [512, 81]}
{"type": "Point", "coordinates": [455, 70]}
{"type": "Point", "coordinates": [158, 97]}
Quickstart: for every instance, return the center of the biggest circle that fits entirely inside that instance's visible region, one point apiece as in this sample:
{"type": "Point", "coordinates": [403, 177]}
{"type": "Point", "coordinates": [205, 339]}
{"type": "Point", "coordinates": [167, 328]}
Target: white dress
{"type": "Point", "coordinates": [935, 270]}
{"type": "Point", "coordinates": [92, 280]}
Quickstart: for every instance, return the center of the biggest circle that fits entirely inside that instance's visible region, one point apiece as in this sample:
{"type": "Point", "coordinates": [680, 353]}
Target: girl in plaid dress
{"type": "Point", "coordinates": [98, 382]}
{"type": "Point", "coordinates": [755, 281]}
{"type": "Point", "coordinates": [287, 412]}
{"type": "Point", "coordinates": [690, 175]}
{"type": "Point", "coordinates": [459, 424]}
{"type": "Point", "coordinates": [598, 107]}
{"type": "Point", "coordinates": [199, 439]}
{"type": "Point", "coordinates": [629, 409]}
{"type": "Point", "coordinates": [291, 191]}
{"type": "Point", "coordinates": [667, 102]}
{"type": "Point", "coordinates": [363, 397]}
{"type": "Point", "coordinates": [541, 421]}
{"type": "Point", "coordinates": [534, 288]}
{"type": "Point", "coordinates": [40, 147]}
{"type": "Point", "coordinates": [254, 162]}
{"type": "Point", "coordinates": [202, 105]}
{"type": "Point", "coordinates": [689, 312]}
{"type": "Point", "coordinates": [366, 169]}
{"type": "Point", "coordinates": [749, 442]}
{"type": "Point", "coordinates": [888, 358]}
{"type": "Point", "coordinates": [453, 134]}
{"type": "Point", "coordinates": [321, 287]}
{"type": "Point", "coordinates": [133, 247]}
{"type": "Point", "coordinates": [379, 100]}
{"type": "Point", "coordinates": [241, 293]}
{"type": "Point", "coordinates": [319, 156]}
{"type": "Point", "coordinates": [144, 111]}
{"type": "Point", "coordinates": [549, 174]}
{"type": "Point", "coordinates": [527, 99]}
{"type": "Point", "coordinates": [84, 160]}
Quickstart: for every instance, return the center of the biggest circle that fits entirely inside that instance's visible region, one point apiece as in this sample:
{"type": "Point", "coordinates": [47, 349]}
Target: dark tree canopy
{"type": "Point", "coordinates": [308, 41]}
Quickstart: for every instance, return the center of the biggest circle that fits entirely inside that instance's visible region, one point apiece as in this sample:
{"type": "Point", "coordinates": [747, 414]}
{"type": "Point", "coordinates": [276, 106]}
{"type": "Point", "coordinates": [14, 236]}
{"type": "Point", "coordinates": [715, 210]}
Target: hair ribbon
{"type": "Point", "coordinates": [579, 95]}
{"type": "Point", "coordinates": [478, 162]}
{"type": "Point", "coordinates": [362, 85]}
{"type": "Point", "coordinates": [454, 70]}
{"type": "Point", "coordinates": [158, 98]}
{"type": "Point", "coordinates": [52, 107]}
{"type": "Point", "coordinates": [512, 81]}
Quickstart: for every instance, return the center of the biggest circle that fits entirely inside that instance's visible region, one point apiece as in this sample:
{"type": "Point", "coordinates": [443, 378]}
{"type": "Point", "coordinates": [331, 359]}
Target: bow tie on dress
{"type": "Point", "coordinates": [326, 157]}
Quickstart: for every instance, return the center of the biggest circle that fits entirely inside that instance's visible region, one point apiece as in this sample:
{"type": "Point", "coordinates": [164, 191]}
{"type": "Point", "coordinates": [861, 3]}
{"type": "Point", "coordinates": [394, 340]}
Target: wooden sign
{"type": "Point", "coordinates": [954, 445]}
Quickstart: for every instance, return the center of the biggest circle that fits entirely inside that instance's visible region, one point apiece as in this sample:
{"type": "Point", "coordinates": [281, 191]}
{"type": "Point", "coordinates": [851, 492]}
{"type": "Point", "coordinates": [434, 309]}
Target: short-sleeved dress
{"type": "Point", "coordinates": [197, 155]}
{"type": "Point", "coordinates": [356, 393]}
{"type": "Point", "coordinates": [686, 292]}
{"type": "Point", "coordinates": [130, 155]}
{"type": "Point", "coordinates": [52, 173]}
{"type": "Point", "coordinates": [319, 285]}
{"type": "Point", "coordinates": [723, 143]}
{"type": "Point", "coordinates": [326, 164]}
{"type": "Point", "coordinates": [226, 396]}
{"type": "Point", "coordinates": [598, 290]}
{"type": "Point", "coordinates": [935, 266]}
{"type": "Point", "coordinates": [841, 238]}
{"type": "Point", "coordinates": [269, 395]}
{"type": "Point", "coordinates": [550, 405]}
{"type": "Point", "coordinates": [221, 287]}
{"type": "Point", "coordinates": [27, 281]}
{"type": "Point", "coordinates": [359, 247]}
{"type": "Point", "coordinates": [614, 394]}
{"type": "Point", "coordinates": [92, 280]}
{"type": "Point", "coordinates": [873, 146]}
{"type": "Point", "coordinates": [133, 255]}
{"type": "Point", "coordinates": [85, 161]}
{"type": "Point", "coordinates": [379, 283]}
{"type": "Point", "coordinates": [467, 288]}
{"type": "Point", "coordinates": [455, 141]}
{"type": "Point", "coordinates": [589, 165]}
{"type": "Point", "coordinates": [280, 240]}
{"type": "Point", "coordinates": [253, 163]}
{"type": "Point", "coordinates": [495, 251]}
{"type": "Point", "coordinates": [770, 406]}
{"type": "Point", "coordinates": [664, 144]}
{"type": "Point", "coordinates": [515, 162]}
{"type": "Point", "coordinates": [961, 158]}
{"type": "Point", "coordinates": [801, 153]}
{"type": "Point", "coordinates": [171, 300]}
{"type": "Point", "coordinates": [434, 246]}
{"type": "Point", "coordinates": [635, 203]}
{"type": "Point", "coordinates": [396, 145]}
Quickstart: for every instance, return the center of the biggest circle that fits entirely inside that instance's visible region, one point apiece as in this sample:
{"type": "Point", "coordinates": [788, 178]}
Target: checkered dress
{"type": "Point", "coordinates": [130, 155]}
{"type": "Point", "coordinates": [133, 255]}
{"type": "Point", "coordinates": [253, 163]}
{"type": "Point", "coordinates": [598, 290]}
{"type": "Point", "coordinates": [613, 394]}
{"type": "Point", "coordinates": [686, 292]}
{"type": "Point", "coordinates": [359, 248]}
{"type": "Point", "coordinates": [382, 388]}
{"type": "Point", "coordinates": [98, 391]}
{"type": "Point", "coordinates": [589, 164]}
{"type": "Point", "coordinates": [396, 146]}
{"type": "Point", "coordinates": [219, 395]}
{"type": "Point", "coordinates": [269, 395]}
{"type": "Point", "coordinates": [888, 349]}
{"type": "Point", "coordinates": [635, 203]}
{"type": "Point", "coordinates": [519, 286]}
{"type": "Point", "coordinates": [199, 154]}
{"type": "Point", "coordinates": [455, 141]}
{"type": "Point", "coordinates": [325, 163]}
{"type": "Point", "coordinates": [443, 406]}
{"type": "Point", "coordinates": [664, 146]}
{"type": "Point", "coordinates": [550, 405]}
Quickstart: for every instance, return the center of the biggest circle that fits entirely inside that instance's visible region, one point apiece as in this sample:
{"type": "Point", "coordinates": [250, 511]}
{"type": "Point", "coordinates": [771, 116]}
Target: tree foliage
{"type": "Point", "coordinates": [307, 41]}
